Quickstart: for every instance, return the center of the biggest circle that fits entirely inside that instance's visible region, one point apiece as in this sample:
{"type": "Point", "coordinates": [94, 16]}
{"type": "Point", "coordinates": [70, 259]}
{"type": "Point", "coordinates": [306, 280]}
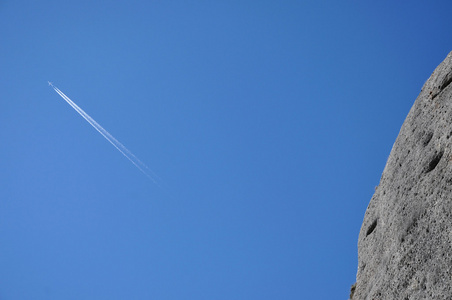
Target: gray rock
{"type": "Point", "coordinates": [405, 242]}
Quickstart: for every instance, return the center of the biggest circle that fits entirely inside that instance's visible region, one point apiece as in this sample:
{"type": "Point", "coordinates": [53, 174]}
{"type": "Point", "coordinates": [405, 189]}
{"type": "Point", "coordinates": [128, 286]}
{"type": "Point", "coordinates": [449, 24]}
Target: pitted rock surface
{"type": "Point", "coordinates": [405, 242]}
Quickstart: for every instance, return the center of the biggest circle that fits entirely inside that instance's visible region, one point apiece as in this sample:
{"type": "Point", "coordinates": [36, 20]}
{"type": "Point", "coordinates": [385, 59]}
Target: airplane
{"type": "Point", "coordinates": [50, 83]}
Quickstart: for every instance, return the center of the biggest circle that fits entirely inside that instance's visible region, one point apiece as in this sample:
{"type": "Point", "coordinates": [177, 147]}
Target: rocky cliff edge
{"type": "Point", "coordinates": [405, 242]}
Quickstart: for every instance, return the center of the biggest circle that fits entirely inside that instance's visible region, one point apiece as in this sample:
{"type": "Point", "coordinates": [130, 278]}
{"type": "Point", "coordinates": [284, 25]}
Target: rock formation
{"type": "Point", "coordinates": [405, 242]}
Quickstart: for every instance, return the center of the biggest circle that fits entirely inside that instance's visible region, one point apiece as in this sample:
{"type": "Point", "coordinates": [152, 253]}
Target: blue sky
{"type": "Point", "coordinates": [269, 123]}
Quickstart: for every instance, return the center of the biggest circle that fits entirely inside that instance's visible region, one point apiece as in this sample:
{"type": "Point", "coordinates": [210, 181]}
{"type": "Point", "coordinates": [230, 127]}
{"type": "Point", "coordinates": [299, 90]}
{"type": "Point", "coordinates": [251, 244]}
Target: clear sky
{"type": "Point", "coordinates": [268, 122]}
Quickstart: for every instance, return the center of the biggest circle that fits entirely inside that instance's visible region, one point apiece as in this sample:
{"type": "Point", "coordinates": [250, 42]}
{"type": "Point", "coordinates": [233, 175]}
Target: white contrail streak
{"type": "Point", "coordinates": [121, 148]}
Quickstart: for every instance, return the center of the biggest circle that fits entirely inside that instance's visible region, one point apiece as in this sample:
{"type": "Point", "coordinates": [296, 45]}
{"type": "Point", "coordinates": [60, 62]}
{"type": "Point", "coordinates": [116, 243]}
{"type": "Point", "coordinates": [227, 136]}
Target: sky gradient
{"type": "Point", "coordinates": [268, 122]}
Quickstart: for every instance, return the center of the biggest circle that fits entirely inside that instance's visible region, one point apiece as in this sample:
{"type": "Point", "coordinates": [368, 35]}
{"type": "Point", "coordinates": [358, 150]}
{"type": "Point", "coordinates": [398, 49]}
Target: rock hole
{"type": "Point", "coordinates": [371, 227]}
{"type": "Point", "coordinates": [444, 84]}
{"type": "Point", "coordinates": [412, 225]}
{"type": "Point", "coordinates": [363, 267]}
{"type": "Point", "coordinates": [434, 161]}
{"type": "Point", "coordinates": [428, 138]}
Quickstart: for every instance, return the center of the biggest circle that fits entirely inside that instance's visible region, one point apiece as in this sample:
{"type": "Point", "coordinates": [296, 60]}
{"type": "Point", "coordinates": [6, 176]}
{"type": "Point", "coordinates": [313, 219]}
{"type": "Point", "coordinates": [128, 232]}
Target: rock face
{"type": "Point", "coordinates": [405, 242]}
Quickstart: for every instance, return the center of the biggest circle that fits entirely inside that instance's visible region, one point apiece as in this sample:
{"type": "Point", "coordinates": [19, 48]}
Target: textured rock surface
{"type": "Point", "coordinates": [405, 242]}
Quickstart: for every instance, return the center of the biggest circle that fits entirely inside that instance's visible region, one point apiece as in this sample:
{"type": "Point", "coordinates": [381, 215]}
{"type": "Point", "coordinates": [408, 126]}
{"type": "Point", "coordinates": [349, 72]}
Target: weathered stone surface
{"type": "Point", "coordinates": [405, 242]}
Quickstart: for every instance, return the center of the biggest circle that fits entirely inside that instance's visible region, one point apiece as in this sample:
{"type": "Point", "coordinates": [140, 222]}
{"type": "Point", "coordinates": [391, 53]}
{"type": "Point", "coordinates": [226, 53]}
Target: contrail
{"type": "Point", "coordinates": [121, 148]}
